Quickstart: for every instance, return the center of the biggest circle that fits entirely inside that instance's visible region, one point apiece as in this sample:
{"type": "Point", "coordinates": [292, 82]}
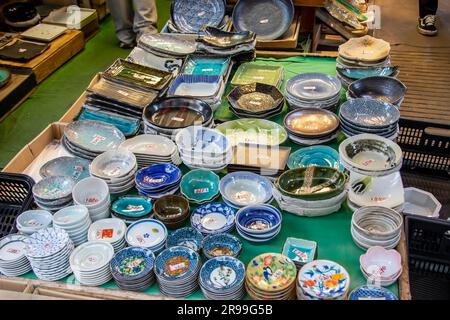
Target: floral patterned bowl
{"type": "Point", "coordinates": [132, 263]}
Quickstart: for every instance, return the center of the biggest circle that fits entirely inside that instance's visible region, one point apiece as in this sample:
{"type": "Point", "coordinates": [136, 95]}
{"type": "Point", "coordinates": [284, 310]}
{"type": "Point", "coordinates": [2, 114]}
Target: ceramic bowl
{"type": "Point", "coordinates": [323, 156]}
{"type": "Point", "coordinates": [157, 177]}
{"type": "Point", "coordinates": [171, 209]}
{"type": "Point", "coordinates": [198, 141]}
{"type": "Point", "coordinates": [185, 237]}
{"type": "Point", "coordinates": [30, 221]}
{"type": "Point", "coordinates": [360, 73]}
{"type": "Point", "coordinates": [385, 89]}
{"type": "Point", "coordinates": [255, 98]}
{"type": "Point", "coordinates": [221, 244]}
{"type": "Point", "coordinates": [113, 164]}
{"type": "Point", "coordinates": [245, 188]}
{"type": "Point", "coordinates": [74, 167]}
{"type": "Point", "coordinates": [132, 206]}
{"type": "Point", "coordinates": [377, 223]}
{"type": "Point", "coordinates": [381, 263]}
{"type": "Point", "coordinates": [300, 251]}
{"type": "Point", "coordinates": [312, 183]}
{"type": "Point", "coordinates": [363, 113]}
{"type": "Point", "coordinates": [311, 122]}
{"type": "Point", "coordinates": [422, 203]}
{"type": "Point", "coordinates": [53, 188]}
{"type": "Point", "coordinates": [258, 219]}
{"type": "Point", "coordinates": [91, 192]}
{"type": "Point", "coordinates": [200, 185]}
{"type": "Point", "coordinates": [213, 217]}
{"type": "Point", "coordinates": [70, 217]}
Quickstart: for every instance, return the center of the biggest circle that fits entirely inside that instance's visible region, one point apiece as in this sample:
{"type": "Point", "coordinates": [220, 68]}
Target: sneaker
{"type": "Point", "coordinates": [427, 25]}
{"type": "Point", "coordinates": [124, 45]}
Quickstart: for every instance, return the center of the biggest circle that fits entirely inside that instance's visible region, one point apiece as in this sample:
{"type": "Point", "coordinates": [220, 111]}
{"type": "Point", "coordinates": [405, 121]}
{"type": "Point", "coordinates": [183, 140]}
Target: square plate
{"type": "Point", "coordinates": [44, 32]}
{"type": "Point", "coordinates": [300, 251]}
{"type": "Point", "coordinates": [250, 72]}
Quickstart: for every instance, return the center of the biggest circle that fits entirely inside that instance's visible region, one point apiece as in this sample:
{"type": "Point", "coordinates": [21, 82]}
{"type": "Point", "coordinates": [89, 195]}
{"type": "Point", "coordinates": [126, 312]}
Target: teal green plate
{"type": "Point", "coordinates": [132, 206]}
{"type": "Point", "coordinates": [316, 155]}
{"type": "Point", "coordinates": [206, 65]}
{"type": "Point", "coordinates": [5, 75]}
{"type": "Point", "coordinates": [360, 73]}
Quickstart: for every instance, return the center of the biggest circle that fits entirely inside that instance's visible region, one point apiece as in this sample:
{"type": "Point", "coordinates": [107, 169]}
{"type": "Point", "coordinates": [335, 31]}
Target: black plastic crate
{"type": "Point", "coordinates": [15, 197]}
{"type": "Point", "coordinates": [428, 243]}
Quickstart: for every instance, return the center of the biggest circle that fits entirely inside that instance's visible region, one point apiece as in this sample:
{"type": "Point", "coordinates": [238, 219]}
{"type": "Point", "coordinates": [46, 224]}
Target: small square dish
{"type": "Point", "coordinates": [300, 251]}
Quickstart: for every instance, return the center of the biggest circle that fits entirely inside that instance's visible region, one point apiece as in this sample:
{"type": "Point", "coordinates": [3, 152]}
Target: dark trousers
{"type": "Point", "coordinates": [427, 7]}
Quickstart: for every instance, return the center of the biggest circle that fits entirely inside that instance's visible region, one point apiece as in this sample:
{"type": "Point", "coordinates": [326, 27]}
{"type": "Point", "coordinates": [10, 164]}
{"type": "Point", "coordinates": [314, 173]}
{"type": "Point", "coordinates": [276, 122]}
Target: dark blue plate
{"type": "Point", "coordinates": [157, 176]}
{"type": "Point", "coordinates": [189, 16]}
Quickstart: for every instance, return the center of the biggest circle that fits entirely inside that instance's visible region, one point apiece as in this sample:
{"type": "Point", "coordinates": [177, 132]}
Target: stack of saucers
{"type": "Point", "coordinates": [151, 149]}
{"type": "Point", "coordinates": [117, 168]}
{"type": "Point", "coordinates": [313, 90]}
{"type": "Point", "coordinates": [322, 280]}
{"type": "Point", "coordinates": [258, 223]}
{"type": "Point", "coordinates": [76, 221]}
{"type": "Point", "coordinates": [214, 217]}
{"type": "Point", "coordinates": [350, 75]}
{"type": "Point", "coordinates": [13, 262]}
{"type": "Point", "coordinates": [380, 266]}
{"type": "Point", "coordinates": [132, 269]}
{"type": "Point", "coordinates": [376, 226]}
{"type": "Point", "coordinates": [147, 233]}
{"type": "Point", "coordinates": [93, 193]}
{"type": "Point", "coordinates": [131, 208]}
{"type": "Point", "coordinates": [177, 270]}
{"type": "Point", "coordinates": [204, 148]}
{"type": "Point", "coordinates": [31, 221]}
{"type": "Point", "coordinates": [158, 180]}
{"type": "Point", "coordinates": [110, 230]}
{"type": "Point", "coordinates": [48, 251]}
{"type": "Point", "coordinates": [369, 116]}
{"type": "Point", "coordinates": [261, 282]}
{"type": "Point", "coordinates": [90, 263]}
{"type": "Point", "coordinates": [53, 193]}
{"type": "Point", "coordinates": [222, 278]}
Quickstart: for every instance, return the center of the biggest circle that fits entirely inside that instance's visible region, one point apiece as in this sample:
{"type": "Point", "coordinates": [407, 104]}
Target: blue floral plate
{"type": "Point", "coordinates": [190, 16]}
{"type": "Point", "coordinates": [185, 237]}
{"type": "Point", "coordinates": [132, 263]}
{"type": "Point", "coordinates": [222, 274]}
{"type": "Point", "coordinates": [322, 156]}
{"type": "Point", "coordinates": [176, 264]}
{"type": "Point", "coordinates": [371, 293]}
{"type": "Point", "coordinates": [215, 217]}
{"type": "Point", "coordinates": [132, 206]}
{"type": "Point", "coordinates": [157, 176]}
{"type": "Point", "coordinates": [74, 167]}
{"type": "Point", "coordinates": [221, 244]}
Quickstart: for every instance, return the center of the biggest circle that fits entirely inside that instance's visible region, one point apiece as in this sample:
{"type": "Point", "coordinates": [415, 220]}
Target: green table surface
{"type": "Point", "coordinates": [332, 232]}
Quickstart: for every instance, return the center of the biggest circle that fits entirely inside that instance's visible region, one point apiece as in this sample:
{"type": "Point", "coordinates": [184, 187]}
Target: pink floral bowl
{"type": "Point", "coordinates": [381, 263]}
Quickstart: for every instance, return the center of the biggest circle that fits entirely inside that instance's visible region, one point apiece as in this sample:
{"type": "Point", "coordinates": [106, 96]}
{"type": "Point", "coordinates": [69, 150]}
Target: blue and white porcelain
{"type": "Point", "coordinates": [132, 206]}
{"type": "Point", "coordinates": [258, 223]}
{"type": "Point", "coordinates": [245, 188]}
{"type": "Point", "coordinates": [190, 16]}
{"type": "Point", "coordinates": [367, 292]}
{"type": "Point", "coordinates": [158, 178]}
{"type": "Point", "coordinates": [198, 141]}
{"type": "Point", "coordinates": [147, 233]}
{"type": "Point", "coordinates": [221, 244]}
{"type": "Point", "coordinates": [215, 217]}
{"type": "Point", "coordinates": [131, 264]}
{"type": "Point", "coordinates": [74, 167]}
{"type": "Point", "coordinates": [185, 237]}
{"type": "Point", "coordinates": [323, 156]}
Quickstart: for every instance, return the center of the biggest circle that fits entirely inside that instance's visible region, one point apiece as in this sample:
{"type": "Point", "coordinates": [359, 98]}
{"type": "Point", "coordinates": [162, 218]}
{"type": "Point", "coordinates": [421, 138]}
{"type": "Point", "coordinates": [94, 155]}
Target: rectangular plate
{"type": "Point", "coordinates": [251, 72]}
{"type": "Point", "coordinates": [300, 251]}
{"type": "Point", "coordinates": [265, 157]}
{"type": "Point", "coordinates": [205, 65]}
{"type": "Point", "coordinates": [44, 32]}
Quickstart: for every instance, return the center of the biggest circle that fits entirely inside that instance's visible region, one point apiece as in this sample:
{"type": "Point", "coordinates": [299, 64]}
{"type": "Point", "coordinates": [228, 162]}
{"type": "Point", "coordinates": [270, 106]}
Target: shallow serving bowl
{"type": "Point", "coordinates": [369, 113]}
{"type": "Point", "coordinates": [258, 220]}
{"type": "Point", "coordinates": [386, 89]}
{"type": "Point", "coordinates": [53, 188]}
{"type": "Point", "coordinates": [171, 208]}
{"type": "Point", "coordinates": [200, 185]}
{"type": "Point", "coordinates": [185, 237]}
{"type": "Point", "coordinates": [221, 244]}
{"type": "Point", "coordinates": [222, 39]}
{"type": "Point", "coordinates": [311, 122]}
{"type": "Point", "coordinates": [91, 192]}
{"type": "Point", "coordinates": [385, 264]}
{"type": "Point", "coordinates": [113, 164]}
{"type": "Point", "coordinates": [255, 98]}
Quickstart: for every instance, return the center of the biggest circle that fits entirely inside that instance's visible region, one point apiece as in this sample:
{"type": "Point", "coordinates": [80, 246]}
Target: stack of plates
{"type": "Point", "coordinates": [117, 168]}
{"type": "Point", "coordinates": [322, 280]}
{"type": "Point", "coordinates": [271, 276]}
{"type": "Point", "coordinates": [131, 208]}
{"type": "Point", "coordinates": [241, 189]}
{"type": "Point", "coordinates": [13, 262]}
{"type": "Point", "coordinates": [258, 223]}
{"type": "Point", "coordinates": [74, 167]}
{"type": "Point", "coordinates": [88, 139]}
{"type": "Point", "coordinates": [213, 218]}
{"type": "Point", "coordinates": [222, 278]}
{"type": "Point", "coordinates": [168, 116]}
{"type": "Point", "coordinates": [313, 90]}
{"type": "Point", "coordinates": [76, 221]}
{"type": "Point", "coordinates": [158, 180]}
{"type": "Point", "coordinates": [380, 266]}
{"type": "Point", "coordinates": [376, 226]}
{"type": "Point", "coordinates": [364, 51]}
{"type": "Point", "coordinates": [132, 269]}
{"type": "Point", "coordinates": [53, 193]}
{"type": "Point", "coordinates": [48, 251]}
{"type": "Point", "coordinates": [163, 44]}
{"type": "Point", "coordinates": [369, 116]}
{"type": "Point", "coordinates": [31, 221]}
{"type": "Point", "coordinates": [110, 230]}
{"type": "Point", "coordinates": [177, 270]}
{"type": "Point", "coordinates": [147, 233]}
{"type": "Point", "coordinates": [93, 193]}
{"type": "Point", "coordinates": [311, 126]}
{"type": "Point", "coordinates": [90, 263]}
{"type": "Point", "coordinates": [204, 148]}
{"type": "Point", "coordinates": [151, 149]}
{"type": "Point", "coordinates": [350, 75]}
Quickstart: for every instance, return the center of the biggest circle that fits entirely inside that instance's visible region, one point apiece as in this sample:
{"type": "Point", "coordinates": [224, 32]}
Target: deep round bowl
{"type": "Point", "coordinates": [171, 208]}
{"type": "Point", "coordinates": [199, 141]}
{"type": "Point", "coordinates": [385, 89]}
{"type": "Point", "coordinates": [53, 188]}
{"type": "Point", "coordinates": [33, 220]}
{"type": "Point", "coordinates": [185, 237]}
{"type": "Point", "coordinates": [19, 11]}
{"type": "Point", "coordinates": [91, 192]}
{"type": "Point", "coordinates": [258, 219]}
{"type": "Point", "coordinates": [157, 176]}
{"type": "Point", "coordinates": [221, 244]}
{"type": "Point", "coordinates": [200, 185]}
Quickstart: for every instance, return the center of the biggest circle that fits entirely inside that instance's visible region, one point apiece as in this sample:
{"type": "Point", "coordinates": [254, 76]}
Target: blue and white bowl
{"type": "Point", "coordinates": [133, 266]}
{"type": "Point", "coordinates": [215, 217]}
{"type": "Point", "coordinates": [158, 180]}
{"type": "Point", "coordinates": [367, 292]}
{"type": "Point", "coordinates": [221, 244]}
{"type": "Point", "coordinates": [185, 237]}
{"type": "Point", "coordinates": [258, 223]}
{"type": "Point", "coordinates": [147, 233]}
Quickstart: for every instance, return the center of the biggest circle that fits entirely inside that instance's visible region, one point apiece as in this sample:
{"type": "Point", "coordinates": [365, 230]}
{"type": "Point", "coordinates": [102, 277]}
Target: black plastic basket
{"type": "Point", "coordinates": [428, 243]}
{"type": "Point", "coordinates": [15, 197]}
{"type": "Point", "coordinates": [425, 146]}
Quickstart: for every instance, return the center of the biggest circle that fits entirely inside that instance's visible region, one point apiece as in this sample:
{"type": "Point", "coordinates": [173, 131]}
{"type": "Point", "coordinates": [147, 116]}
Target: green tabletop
{"type": "Point", "coordinates": [332, 232]}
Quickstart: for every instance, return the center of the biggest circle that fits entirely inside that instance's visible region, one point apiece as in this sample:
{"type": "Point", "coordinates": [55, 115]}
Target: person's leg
{"type": "Point", "coordinates": [427, 19]}
{"type": "Point", "coordinates": [427, 7]}
{"type": "Point", "coordinates": [145, 17]}
{"type": "Point", "coordinates": [122, 15]}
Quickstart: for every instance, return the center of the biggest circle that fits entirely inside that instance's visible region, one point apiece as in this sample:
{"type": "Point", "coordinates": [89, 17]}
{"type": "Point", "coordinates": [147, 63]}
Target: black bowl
{"type": "Point", "coordinates": [386, 89]}
{"type": "Point", "coordinates": [19, 12]}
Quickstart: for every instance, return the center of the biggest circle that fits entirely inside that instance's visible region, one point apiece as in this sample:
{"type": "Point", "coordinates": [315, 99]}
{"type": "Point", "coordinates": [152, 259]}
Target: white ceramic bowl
{"type": "Point", "coordinates": [70, 216]}
{"type": "Point", "coordinates": [91, 192]}
{"type": "Point", "coordinates": [31, 221]}
{"type": "Point", "coordinates": [381, 263]}
{"type": "Point", "coordinates": [113, 164]}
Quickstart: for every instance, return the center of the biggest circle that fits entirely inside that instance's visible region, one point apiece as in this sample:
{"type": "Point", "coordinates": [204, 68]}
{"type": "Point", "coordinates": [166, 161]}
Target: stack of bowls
{"type": "Point", "coordinates": [117, 168]}
{"type": "Point", "coordinates": [349, 75]}
{"type": "Point", "coordinates": [322, 280]}
{"type": "Point", "coordinates": [313, 90]}
{"type": "Point", "coordinates": [172, 210]}
{"type": "Point", "coordinates": [271, 276]}
{"type": "Point", "coordinates": [158, 180]}
{"type": "Point", "coordinates": [131, 208]}
{"type": "Point", "coordinates": [365, 51]}
{"type": "Point", "coordinates": [376, 226]}
{"type": "Point", "coordinates": [311, 191]}
{"type": "Point", "coordinates": [76, 221]}
{"type": "Point", "coordinates": [222, 278]}
{"type": "Point", "coordinates": [185, 237]}
{"type": "Point", "coordinates": [110, 230]}
{"type": "Point", "coordinates": [31, 221]}
{"type": "Point", "coordinates": [214, 217]}
{"type": "Point", "coordinates": [147, 233]}
{"type": "Point", "coordinates": [200, 186]}
{"type": "Point", "coordinates": [132, 269]}
{"type": "Point", "coordinates": [369, 116]}
{"type": "Point", "coordinates": [177, 270]}
{"type": "Point", "coordinates": [258, 223]}
{"type": "Point", "coordinates": [221, 244]}
{"type": "Point", "coordinates": [48, 251]}
{"type": "Point", "coordinates": [93, 193]}
{"type": "Point", "coordinates": [311, 126]}
{"type": "Point", "coordinates": [240, 189]}
{"type": "Point", "coordinates": [90, 263]}
{"type": "Point", "coordinates": [323, 156]}
{"type": "Point", "coordinates": [381, 266]}
{"type": "Point", "coordinates": [384, 89]}
{"type": "Point", "coordinates": [204, 148]}
{"type": "Point", "coordinates": [53, 193]}
{"type": "Point", "coordinates": [13, 262]}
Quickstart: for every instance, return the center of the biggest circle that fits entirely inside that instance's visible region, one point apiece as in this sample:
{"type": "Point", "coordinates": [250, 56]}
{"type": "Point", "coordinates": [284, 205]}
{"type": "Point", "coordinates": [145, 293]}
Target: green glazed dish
{"type": "Point", "coordinates": [249, 73]}
{"type": "Point", "coordinates": [200, 185]}
{"type": "Point", "coordinates": [5, 75]}
{"type": "Point", "coordinates": [312, 183]}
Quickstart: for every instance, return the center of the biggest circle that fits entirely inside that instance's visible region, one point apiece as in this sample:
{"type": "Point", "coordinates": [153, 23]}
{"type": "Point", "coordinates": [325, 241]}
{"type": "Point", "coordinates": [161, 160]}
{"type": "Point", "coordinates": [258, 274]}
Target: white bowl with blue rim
{"type": "Point", "coordinates": [221, 244]}
{"type": "Point", "coordinates": [215, 217]}
{"type": "Point", "coordinates": [185, 237]}
{"type": "Point", "coordinates": [147, 233]}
